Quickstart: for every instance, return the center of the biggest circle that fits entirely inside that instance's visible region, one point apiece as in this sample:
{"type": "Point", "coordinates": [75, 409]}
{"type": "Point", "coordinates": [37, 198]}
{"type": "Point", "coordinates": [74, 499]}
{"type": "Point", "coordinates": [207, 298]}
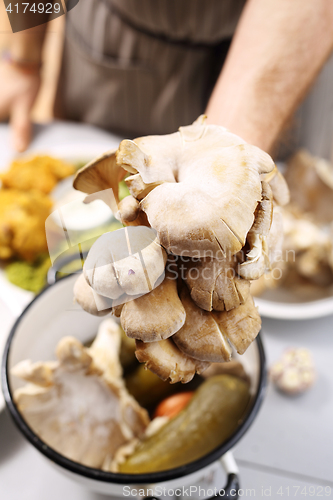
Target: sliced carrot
{"type": "Point", "coordinates": [172, 405]}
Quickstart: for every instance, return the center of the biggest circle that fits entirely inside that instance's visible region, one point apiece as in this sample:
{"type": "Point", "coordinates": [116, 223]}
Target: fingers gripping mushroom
{"type": "Point", "coordinates": [79, 406]}
{"type": "Point", "coordinates": [205, 173]}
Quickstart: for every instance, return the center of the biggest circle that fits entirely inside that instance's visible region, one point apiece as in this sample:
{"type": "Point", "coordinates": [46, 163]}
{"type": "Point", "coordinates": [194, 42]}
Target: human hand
{"type": "Point", "coordinates": [18, 91]}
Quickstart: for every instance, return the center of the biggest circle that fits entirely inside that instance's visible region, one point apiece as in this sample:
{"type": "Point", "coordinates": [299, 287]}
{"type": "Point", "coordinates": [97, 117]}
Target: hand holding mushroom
{"type": "Point", "coordinates": [200, 212]}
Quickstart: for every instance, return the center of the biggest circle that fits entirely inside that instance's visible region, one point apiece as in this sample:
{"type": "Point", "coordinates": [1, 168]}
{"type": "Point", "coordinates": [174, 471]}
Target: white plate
{"type": "Point", "coordinates": [295, 311]}
{"type": "Point", "coordinates": [65, 140]}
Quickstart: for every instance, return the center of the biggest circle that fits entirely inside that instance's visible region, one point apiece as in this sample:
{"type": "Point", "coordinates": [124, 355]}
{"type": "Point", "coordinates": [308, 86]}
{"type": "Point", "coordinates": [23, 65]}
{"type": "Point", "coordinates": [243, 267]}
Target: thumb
{"type": "Point", "coordinates": [21, 125]}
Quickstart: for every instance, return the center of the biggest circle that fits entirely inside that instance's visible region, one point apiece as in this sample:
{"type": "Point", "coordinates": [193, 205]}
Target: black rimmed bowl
{"type": "Point", "coordinates": [52, 315]}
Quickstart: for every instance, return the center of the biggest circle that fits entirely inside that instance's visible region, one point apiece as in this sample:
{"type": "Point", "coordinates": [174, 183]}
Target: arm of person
{"type": "Point", "coordinates": [277, 51]}
{"type": "Point", "coordinates": [20, 81]}
{"type": "Point", "coordinates": [26, 46]}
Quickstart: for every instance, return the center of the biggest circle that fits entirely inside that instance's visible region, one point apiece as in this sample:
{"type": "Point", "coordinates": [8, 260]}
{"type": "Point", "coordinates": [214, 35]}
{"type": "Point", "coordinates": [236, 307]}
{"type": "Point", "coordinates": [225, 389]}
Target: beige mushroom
{"type": "Point", "coordinates": [89, 300]}
{"type": "Point", "coordinates": [214, 284]}
{"type": "Point", "coordinates": [84, 412]}
{"type": "Point", "coordinates": [138, 188]}
{"type": "Point", "coordinates": [310, 180]}
{"type": "Point", "coordinates": [279, 186]}
{"type": "Point", "coordinates": [128, 260]}
{"type": "Point", "coordinates": [201, 194]}
{"type": "Point", "coordinates": [99, 175]}
{"type": "Point", "coordinates": [105, 350]}
{"type": "Point", "coordinates": [257, 260]}
{"type": "Point", "coordinates": [165, 360]}
{"type": "Point", "coordinates": [201, 337]}
{"type": "Point", "coordinates": [307, 248]}
{"type": "Point", "coordinates": [156, 315]}
{"type": "Point", "coordinates": [240, 325]}
{"type": "Point", "coordinates": [130, 214]}
{"type": "Point", "coordinates": [278, 264]}
{"type": "Point", "coordinates": [40, 374]}
{"type": "Point", "coordinates": [204, 172]}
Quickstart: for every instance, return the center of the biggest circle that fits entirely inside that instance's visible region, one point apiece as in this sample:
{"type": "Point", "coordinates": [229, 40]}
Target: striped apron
{"type": "Point", "coordinates": [138, 67]}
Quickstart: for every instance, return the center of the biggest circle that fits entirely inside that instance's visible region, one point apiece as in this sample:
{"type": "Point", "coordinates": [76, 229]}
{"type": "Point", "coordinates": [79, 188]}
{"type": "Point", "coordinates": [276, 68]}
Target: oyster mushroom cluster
{"type": "Point", "coordinates": [79, 404]}
{"type": "Point", "coordinates": [199, 229]}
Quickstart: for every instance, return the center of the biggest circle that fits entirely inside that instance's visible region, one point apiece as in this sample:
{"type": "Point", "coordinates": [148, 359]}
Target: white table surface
{"type": "Point", "coordinates": [287, 452]}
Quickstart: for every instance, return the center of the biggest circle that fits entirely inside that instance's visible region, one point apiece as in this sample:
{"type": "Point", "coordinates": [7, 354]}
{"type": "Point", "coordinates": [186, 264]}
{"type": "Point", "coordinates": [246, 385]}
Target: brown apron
{"type": "Point", "coordinates": [138, 67]}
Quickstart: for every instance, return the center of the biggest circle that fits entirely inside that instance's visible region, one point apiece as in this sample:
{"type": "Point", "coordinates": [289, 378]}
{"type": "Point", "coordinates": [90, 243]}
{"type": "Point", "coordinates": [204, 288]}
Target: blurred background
{"type": "Point", "coordinates": [290, 443]}
{"type": "Point", "coordinates": [43, 108]}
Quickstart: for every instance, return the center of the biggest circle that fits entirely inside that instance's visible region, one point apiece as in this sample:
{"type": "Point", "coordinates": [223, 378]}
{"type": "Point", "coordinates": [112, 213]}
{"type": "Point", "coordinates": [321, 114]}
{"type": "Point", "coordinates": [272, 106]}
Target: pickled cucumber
{"type": "Point", "coordinates": [212, 415]}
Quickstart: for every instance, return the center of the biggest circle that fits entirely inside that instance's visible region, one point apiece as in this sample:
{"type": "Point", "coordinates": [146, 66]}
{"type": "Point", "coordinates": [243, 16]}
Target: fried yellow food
{"type": "Point", "coordinates": [40, 173]}
{"type": "Point", "coordinates": [22, 223]}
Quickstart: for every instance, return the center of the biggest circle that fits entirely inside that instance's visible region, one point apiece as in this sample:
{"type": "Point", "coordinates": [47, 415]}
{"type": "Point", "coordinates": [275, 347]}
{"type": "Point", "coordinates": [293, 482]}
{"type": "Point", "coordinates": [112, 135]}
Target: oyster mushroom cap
{"type": "Point", "coordinates": [105, 349]}
{"type": "Point", "coordinates": [72, 354]}
{"type": "Point", "coordinates": [307, 247]}
{"type": "Point", "coordinates": [275, 237]}
{"type": "Point", "coordinates": [86, 413]}
{"type": "Point", "coordinates": [300, 231]}
{"type": "Point", "coordinates": [165, 360]}
{"type": "Point", "coordinates": [206, 173]}
{"type": "Point", "coordinates": [200, 337]}
{"type": "Point", "coordinates": [230, 293]}
{"type": "Point", "coordinates": [257, 259]}
{"type": "Point", "coordinates": [126, 261]}
{"type": "Point", "coordinates": [138, 188]}
{"type": "Point", "coordinates": [39, 373]}
{"type": "Point", "coordinates": [214, 284]}
{"type": "Point", "coordinates": [264, 211]}
{"type": "Point", "coordinates": [89, 300]}
{"type": "Point", "coordinates": [156, 315]}
{"type": "Point", "coordinates": [240, 325]}
{"type": "Point", "coordinates": [101, 174]}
